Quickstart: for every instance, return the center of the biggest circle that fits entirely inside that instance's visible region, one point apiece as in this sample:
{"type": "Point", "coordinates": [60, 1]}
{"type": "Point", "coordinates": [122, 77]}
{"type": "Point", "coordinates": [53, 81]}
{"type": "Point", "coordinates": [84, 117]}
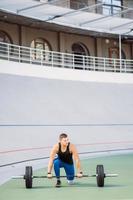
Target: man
{"type": "Point", "coordinates": [66, 152]}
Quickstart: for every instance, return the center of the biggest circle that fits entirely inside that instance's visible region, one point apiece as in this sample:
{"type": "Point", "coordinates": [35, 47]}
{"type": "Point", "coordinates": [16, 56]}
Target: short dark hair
{"type": "Point", "coordinates": [63, 135]}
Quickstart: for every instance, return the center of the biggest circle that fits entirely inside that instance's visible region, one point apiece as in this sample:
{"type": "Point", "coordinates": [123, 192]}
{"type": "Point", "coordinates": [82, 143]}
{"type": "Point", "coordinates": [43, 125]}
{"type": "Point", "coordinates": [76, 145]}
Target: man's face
{"type": "Point", "coordinates": [64, 141]}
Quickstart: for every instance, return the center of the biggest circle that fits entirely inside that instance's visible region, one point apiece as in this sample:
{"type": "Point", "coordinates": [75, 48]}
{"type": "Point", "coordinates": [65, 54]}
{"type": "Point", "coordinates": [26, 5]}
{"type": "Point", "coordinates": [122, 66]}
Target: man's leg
{"type": "Point", "coordinates": [57, 166]}
{"type": "Point", "coordinates": [69, 169]}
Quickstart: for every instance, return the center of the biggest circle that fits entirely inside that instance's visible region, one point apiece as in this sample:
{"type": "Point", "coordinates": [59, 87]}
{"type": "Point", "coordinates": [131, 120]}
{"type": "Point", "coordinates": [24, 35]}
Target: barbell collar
{"type": "Point", "coordinates": [111, 175]}
{"type": "Point", "coordinates": [18, 177]}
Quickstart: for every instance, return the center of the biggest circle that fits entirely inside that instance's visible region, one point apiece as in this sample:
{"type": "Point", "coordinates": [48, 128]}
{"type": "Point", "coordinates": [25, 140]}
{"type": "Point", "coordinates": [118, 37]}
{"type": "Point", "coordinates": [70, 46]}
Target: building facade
{"type": "Point", "coordinates": [35, 36]}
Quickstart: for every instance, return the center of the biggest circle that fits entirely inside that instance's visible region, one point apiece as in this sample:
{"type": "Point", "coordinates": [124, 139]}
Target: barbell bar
{"type": "Point", "coordinates": [100, 176]}
{"type": "Point", "coordinates": [63, 176]}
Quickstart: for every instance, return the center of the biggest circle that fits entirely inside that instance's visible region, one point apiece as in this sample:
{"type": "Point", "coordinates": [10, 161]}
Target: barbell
{"type": "Point", "coordinates": [100, 176]}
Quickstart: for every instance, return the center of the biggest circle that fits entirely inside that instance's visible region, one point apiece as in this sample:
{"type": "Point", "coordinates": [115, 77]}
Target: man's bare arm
{"type": "Point", "coordinates": [76, 158]}
{"type": "Point", "coordinates": [52, 156]}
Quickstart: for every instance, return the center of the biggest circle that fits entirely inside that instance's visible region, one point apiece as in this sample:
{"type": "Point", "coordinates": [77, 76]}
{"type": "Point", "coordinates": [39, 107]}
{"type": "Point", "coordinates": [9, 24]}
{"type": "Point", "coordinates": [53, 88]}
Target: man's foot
{"type": "Point", "coordinates": [70, 182]}
{"type": "Point", "coordinates": [58, 184]}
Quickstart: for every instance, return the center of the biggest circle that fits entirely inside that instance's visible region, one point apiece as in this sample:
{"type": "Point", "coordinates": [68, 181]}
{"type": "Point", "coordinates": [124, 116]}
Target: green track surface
{"type": "Point", "coordinates": [120, 187]}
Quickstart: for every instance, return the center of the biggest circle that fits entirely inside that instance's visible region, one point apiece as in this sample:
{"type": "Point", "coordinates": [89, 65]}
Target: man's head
{"type": "Point", "coordinates": [63, 138]}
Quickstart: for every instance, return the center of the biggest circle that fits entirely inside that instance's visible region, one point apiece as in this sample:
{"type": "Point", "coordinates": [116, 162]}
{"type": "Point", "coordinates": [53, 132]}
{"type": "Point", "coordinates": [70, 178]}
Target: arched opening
{"type": "Point", "coordinates": [79, 50]}
{"type": "Point", "coordinates": [41, 49]}
{"type": "Point", "coordinates": [4, 38]}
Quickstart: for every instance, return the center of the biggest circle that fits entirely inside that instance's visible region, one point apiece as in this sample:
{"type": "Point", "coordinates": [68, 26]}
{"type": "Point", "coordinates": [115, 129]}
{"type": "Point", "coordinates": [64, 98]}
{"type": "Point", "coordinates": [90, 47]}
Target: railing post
{"type": "Point", "coordinates": [120, 65]}
{"type": "Point", "coordinates": [62, 60]}
{"type": "Point", "coordinates": [104, 64]}
{"type": "Point", "coordinates": [73, 62]}
{"type": "Point", "coordinates": [30, 55]}
{"type": "Point", "coordinates": [8, 51]}
{"type": "Point", "coordinates": [120, 49]}
{"type": "Point", "coordinates": [41, 57]}
{"type": "Point", "coordinates": [83, 62]}
{"type": "Point", "coordinates": [114, 61]}
{"type": "Point", "coordinates": [52, 58]}
{"type": "Point", "coordinates": [125, 67]}
{"type": "Point", "coordinates": [131, 66]}
{"type": "Point", "coordinates": [19, 54]}
{"type": "Point", "coordinates": [94, 64]}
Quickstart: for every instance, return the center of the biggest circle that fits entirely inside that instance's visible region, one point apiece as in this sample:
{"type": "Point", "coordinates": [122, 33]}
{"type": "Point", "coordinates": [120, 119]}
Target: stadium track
{"type": "Point", "coordinates": [119, 188]}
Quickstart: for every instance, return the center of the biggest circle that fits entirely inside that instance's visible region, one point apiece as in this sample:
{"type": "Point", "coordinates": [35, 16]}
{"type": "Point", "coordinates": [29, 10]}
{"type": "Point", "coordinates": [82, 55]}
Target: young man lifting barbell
{"type": "Point", "coordinates": [66, 153]}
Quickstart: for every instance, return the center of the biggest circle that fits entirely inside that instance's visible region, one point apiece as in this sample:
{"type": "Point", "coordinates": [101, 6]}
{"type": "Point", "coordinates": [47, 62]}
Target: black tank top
{"type": "Point", "coordinates": [65, 156]}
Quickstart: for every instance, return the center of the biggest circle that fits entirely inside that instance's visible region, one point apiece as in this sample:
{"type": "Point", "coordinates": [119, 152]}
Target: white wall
{"type": "Point", "coordinates": [96, 115]}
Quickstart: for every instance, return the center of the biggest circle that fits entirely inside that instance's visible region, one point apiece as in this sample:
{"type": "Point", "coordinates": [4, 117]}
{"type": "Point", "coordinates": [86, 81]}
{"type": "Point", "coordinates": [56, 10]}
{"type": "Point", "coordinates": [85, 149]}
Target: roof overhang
{"type": "Point", "coordinates": [54, 18]}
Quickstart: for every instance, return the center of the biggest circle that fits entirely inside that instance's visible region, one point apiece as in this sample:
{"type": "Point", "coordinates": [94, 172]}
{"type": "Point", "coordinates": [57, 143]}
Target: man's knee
{"type": "Point", "coordinates": [56, 161]}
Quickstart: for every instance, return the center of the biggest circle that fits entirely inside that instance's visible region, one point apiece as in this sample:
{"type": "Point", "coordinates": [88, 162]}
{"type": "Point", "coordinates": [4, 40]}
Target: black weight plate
{"type": "Point", "coordinates": [100, 175]}
{"type": "Point", "coordinates": [28, 177]}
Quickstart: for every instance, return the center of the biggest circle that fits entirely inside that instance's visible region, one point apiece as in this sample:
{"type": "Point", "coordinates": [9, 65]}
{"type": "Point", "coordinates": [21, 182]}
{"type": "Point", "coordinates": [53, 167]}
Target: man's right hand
{"type": "Point", "coordinates": [49, 175]}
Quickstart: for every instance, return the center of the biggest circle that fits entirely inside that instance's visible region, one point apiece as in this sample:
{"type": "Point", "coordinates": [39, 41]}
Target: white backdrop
{"type": "Point", "coordinates": [97, 116]}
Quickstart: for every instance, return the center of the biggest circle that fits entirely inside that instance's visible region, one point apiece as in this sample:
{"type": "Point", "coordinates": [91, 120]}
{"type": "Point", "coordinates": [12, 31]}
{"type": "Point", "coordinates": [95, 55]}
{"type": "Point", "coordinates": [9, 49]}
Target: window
{"type": "Point", "coordinates": [79, 51]}
{"type": "Point", "coordinates": [78, 4]}
{"type": "Point", "coordinates": [4, 38]}
{"type": "Point", "coordinates": [40, 49]}
{"type": "Point", "coordinates": [111, 7]}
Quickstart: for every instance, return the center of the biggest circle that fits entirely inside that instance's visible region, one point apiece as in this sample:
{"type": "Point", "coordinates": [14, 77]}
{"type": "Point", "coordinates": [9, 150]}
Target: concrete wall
{"type": "Point", "coordinates": [37, 104]}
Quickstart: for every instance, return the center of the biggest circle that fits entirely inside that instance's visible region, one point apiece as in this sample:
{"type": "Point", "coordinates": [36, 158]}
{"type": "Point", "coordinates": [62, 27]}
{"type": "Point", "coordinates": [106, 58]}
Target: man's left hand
{"type": "Point", "coordinates": [80, 174]}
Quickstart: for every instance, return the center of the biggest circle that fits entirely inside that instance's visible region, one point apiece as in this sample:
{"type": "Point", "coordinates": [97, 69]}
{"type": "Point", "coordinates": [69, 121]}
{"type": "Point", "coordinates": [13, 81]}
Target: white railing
{"type": "Point", "coordinates": [65, 60]}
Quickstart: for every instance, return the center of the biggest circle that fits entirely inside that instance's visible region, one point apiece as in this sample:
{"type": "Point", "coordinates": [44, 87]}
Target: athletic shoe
{"type": "Point", "coordinates": [58, 184]}
{"type": "Point", "coordinates": [70, 182]}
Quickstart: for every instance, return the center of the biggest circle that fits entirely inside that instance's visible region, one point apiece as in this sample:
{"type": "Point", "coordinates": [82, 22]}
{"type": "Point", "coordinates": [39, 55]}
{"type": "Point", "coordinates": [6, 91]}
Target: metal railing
{"type": "Point", "coordinates": [65, 60]}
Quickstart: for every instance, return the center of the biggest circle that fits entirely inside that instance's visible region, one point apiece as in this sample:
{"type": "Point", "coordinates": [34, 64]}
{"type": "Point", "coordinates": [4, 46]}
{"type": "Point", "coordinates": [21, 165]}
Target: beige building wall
{"type": "Point", "coordinates": [104, 45]}
{"type": "Point", "coordinates": [63, 41]}
{"type": "Point", "coordinates": [67, 40]}
{"type": "Point", "coordinates": [11, 30]}
{"type": "Point", "coordinates": [29, 34]}
{"type": "Point", "coordinates": [99, 47]}
{"type": "Point", "coordinates": [130, 3]}
{"type": "Point", "coordinates": [63, 3]}
{"type": "Point", "coordinates": [125, 3]}
{"type": "Point", "coordinates": [127, 50]}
